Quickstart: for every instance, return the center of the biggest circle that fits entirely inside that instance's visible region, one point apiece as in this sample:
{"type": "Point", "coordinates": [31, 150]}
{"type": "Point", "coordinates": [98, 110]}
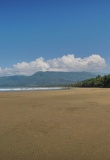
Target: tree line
{"type": "Point", "coordinates": [99, 81]}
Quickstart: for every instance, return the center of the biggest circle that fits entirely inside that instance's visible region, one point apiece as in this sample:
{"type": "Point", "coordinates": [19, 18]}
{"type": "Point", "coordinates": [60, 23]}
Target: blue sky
{"type": "Point", "coordinates": [52, 29]}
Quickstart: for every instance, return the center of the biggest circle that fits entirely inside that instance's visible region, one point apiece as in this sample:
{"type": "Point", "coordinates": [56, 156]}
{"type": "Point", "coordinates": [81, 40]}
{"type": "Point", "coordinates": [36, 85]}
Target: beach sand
{"type": "Point", "coordinates": [55, 125]}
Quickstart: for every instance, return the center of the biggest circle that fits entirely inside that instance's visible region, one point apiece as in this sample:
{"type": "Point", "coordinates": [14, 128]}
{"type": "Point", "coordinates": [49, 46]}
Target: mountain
{"type": "Point", "coordinates": [45, 79]}
{"type": "Point", "coordinates": [99, 81]}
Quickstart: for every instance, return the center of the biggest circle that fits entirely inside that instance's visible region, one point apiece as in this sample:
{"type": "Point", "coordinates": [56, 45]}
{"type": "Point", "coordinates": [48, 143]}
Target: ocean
{"type": "Point", "coordinates": [31, 89]}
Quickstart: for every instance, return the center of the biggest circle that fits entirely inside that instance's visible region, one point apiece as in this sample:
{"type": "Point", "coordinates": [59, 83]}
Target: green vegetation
{"type": "Point", "coordinates": [41, 79]}
{"type": "Point", "coordinates": [99, 81]}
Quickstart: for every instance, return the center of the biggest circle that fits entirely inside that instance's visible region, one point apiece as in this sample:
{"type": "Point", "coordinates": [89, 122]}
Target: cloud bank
{"type": "Point", "coordinates": [67, 63]}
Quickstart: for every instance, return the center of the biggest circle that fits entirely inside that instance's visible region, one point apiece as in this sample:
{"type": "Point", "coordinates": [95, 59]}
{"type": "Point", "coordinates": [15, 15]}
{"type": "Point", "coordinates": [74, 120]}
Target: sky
{"type": "Point", "coordinates": [54, 35]}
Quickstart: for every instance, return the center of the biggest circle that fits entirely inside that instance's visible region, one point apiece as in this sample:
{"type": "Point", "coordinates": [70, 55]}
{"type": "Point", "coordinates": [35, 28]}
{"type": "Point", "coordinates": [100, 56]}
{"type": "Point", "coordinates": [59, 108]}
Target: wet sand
{"type": "Point", "coordinates": [55, 125]}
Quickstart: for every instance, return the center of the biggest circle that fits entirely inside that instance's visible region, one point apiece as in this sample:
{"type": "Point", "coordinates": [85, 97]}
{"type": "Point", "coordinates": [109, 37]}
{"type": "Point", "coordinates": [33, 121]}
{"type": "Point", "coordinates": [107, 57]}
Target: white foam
{"type": "Point", "coordinates": [30, 89]}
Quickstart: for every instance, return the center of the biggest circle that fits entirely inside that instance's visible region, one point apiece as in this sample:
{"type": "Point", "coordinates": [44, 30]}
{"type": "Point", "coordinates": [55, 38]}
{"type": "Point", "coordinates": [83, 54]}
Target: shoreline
{"type": "Point", "coordinates": [14, 89]}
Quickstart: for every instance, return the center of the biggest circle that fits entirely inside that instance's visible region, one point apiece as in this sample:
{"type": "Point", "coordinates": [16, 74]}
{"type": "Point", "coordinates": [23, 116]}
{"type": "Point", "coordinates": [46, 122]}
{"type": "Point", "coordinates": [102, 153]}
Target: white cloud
{"type": "Point", "coordinates": [70, 63]}
{"type": "Point", "coordinates": [66, 63]}
{"type": "Point", "coordinates": [30, 68]}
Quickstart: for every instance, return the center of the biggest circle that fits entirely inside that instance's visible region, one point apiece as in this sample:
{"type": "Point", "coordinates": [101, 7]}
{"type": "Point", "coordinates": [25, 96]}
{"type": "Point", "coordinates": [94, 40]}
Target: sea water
{"type": "Point", "coordinates": [31, 89]}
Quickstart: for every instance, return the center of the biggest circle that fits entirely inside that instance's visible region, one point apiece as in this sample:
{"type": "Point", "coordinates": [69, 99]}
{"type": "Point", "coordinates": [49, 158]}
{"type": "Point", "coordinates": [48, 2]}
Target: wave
{"type": "Point", "coordinates": [31, 89]}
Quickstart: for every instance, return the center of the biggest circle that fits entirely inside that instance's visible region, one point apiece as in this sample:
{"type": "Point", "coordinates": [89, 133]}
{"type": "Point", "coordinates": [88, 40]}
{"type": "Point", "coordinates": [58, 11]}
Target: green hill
{"type": "Point", "coordinates": [45, 79]}
{"type": "Point", "coordinates": [99, 81]}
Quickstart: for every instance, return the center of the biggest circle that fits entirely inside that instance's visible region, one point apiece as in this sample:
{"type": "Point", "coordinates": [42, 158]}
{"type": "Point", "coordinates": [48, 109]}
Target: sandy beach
{"type": "Point", "coordinates": [55, 125]}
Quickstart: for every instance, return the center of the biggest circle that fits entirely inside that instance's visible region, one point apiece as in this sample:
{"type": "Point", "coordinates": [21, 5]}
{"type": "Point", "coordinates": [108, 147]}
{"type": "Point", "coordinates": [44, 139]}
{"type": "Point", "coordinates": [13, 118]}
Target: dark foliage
{"type": "Point", "coordinates": [99, 81]}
